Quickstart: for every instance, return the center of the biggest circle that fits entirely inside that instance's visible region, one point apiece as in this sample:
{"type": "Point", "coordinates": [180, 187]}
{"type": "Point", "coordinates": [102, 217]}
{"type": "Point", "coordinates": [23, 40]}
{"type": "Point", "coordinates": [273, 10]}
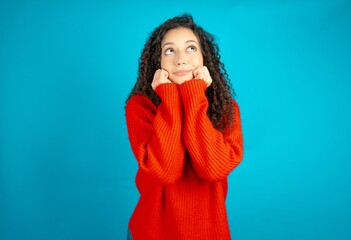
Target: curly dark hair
{"type": "Point", "coordinates": [219, 94]}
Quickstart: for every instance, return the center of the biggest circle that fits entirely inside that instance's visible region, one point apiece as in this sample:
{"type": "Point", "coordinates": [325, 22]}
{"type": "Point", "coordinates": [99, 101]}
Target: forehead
{"type": "Point", "coordinates": [179, 35]}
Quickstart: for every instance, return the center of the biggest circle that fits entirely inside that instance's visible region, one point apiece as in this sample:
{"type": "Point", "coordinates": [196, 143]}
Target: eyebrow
{"type": "Point", "coordinates": [172, 43]}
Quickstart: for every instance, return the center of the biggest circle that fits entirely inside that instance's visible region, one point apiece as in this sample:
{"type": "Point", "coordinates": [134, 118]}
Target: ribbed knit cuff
{"type": "Point", "coordinates": [193, 90]}
{"type": "Point", "coordinates": [167, 90]}
{"type": "Point", "coordinates": [170, 96]}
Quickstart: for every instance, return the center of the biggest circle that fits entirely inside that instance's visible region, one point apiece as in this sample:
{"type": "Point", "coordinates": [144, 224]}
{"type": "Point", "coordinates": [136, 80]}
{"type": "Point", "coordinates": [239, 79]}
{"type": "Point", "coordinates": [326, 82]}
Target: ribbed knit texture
{"type": "Point", "coordinates": [183, 163]}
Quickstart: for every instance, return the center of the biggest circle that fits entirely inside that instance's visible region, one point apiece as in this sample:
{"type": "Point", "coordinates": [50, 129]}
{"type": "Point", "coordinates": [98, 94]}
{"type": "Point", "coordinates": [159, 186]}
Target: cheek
{"type": "Point", "coordinates": [164, 63]}
{"type": "Point", "coordinates": [197, 61]}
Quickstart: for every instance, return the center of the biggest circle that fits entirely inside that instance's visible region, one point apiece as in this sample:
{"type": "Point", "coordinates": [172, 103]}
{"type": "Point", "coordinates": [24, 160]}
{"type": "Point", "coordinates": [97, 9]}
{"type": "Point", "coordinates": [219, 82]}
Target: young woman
{"type": "Point", "coordinates": [185, 132]}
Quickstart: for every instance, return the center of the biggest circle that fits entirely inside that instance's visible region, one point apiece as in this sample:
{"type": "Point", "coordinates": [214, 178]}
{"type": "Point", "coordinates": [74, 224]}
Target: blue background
{"type": "Point", "coordinates": [66, 68]}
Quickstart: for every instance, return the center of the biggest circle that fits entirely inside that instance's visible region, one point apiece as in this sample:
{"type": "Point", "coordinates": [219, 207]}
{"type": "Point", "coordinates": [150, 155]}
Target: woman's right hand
{"type": "Point", "coordinates": [160, 77]}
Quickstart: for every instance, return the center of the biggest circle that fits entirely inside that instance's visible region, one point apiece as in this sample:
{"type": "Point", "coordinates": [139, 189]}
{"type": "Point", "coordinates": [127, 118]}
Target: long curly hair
{"type": "Point", "coordinates": [219, 94]}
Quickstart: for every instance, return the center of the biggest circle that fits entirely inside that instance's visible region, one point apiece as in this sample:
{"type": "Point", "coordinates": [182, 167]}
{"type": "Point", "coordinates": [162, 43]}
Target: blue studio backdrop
{"type": "Point", "coordinates": [67, 67]}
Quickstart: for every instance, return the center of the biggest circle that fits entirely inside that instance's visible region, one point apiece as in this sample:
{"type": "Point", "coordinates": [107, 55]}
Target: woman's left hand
{"type": "Point", "coordinates": [203, 73]}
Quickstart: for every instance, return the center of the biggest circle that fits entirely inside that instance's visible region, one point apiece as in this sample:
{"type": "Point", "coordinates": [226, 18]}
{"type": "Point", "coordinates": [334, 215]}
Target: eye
{"type": "Point", "coordinates": [169, 51]}
{"type": "Point", "coordinates": [192, 49]}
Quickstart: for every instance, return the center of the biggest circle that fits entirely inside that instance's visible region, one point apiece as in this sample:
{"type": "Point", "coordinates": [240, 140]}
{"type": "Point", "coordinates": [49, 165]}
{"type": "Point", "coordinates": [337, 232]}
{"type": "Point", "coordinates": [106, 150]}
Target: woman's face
{"type": "Point", "coordinates": [180, 54]}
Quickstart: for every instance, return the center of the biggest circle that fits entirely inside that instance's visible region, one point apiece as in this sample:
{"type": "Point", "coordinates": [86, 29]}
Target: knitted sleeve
{"type": "Point", "coordinates": [155, 133]}
{"type": "Point", "coordinates": [213, 154]}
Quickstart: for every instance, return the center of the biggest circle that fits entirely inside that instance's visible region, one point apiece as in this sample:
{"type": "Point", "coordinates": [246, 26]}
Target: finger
{"type": "Point", "coordinates": [195, 73]}
{"type": "Point", "coordinates": [202, 74]}
{"type": "Point", "coordinates": [207, 73]}
{"type": "Point", "coordinates": [165, 73]}
{"type": "Point", "coordinates": [153, 85]}
{"type": "Point", "coordinates": [157, 72]}
{"type": "Point", "coordinates": [198, 73]}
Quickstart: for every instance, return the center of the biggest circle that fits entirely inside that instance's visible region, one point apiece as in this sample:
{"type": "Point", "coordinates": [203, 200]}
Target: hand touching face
{"type": "Point", "coordinates": [204, 74]}
{"type": "Point", "coordinates": [160, 77]}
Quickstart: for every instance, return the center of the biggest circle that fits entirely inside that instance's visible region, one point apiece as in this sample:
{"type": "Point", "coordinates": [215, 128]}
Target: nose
{"type": "Point", "coordinates": [181, 60]}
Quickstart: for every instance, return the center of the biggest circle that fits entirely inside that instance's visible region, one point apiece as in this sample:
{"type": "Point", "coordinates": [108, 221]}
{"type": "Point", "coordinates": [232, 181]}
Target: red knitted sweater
{"type": "Point", "coordinates": [183, 165]}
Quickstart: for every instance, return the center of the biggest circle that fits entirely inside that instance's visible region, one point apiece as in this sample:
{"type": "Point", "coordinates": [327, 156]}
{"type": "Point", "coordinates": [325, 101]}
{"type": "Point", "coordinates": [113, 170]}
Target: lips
{"type": "Point", "coordinates": [182, 72]}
